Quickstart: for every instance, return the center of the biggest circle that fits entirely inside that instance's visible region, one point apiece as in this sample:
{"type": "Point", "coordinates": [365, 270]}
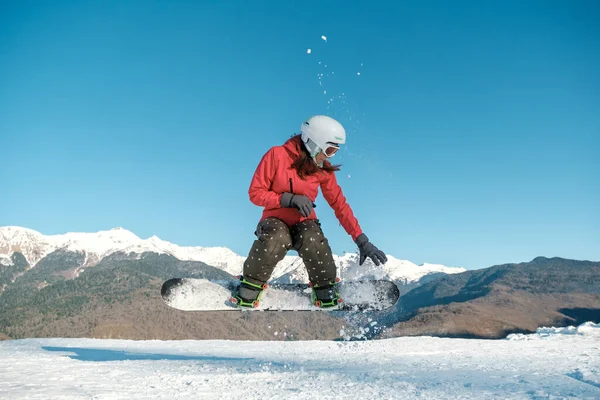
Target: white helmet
{"type": "Point", "coordinates": [322, 132]}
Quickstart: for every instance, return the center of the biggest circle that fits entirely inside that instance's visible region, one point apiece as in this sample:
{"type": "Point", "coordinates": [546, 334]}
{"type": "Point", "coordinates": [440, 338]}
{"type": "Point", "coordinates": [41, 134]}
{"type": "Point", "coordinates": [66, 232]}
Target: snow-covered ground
{"type": "Point", "coordinates": [551, 364]}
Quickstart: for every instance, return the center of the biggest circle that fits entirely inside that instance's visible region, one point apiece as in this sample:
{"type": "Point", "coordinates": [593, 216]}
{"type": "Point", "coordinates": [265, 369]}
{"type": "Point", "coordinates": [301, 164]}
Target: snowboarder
{"type": "Point", "coordinates": [286, 184]}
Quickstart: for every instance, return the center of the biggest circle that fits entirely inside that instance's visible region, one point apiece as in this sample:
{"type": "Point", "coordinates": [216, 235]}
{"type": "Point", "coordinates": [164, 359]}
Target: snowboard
{"type": "Point", "coordinates": [194, 294]}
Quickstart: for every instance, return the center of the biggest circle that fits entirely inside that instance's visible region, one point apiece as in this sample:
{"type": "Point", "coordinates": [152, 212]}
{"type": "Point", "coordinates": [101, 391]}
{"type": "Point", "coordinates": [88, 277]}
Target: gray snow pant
{"type": "Point", "coordinates": [275, 239]}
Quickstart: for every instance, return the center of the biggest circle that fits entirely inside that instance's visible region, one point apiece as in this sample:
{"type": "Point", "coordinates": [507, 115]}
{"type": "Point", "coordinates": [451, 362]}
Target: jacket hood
{"type": "Point", "coordinates": [292, 146]}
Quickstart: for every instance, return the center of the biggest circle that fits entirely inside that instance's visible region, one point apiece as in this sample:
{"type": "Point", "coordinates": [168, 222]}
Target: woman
{"type": "Point", "coordinates": [286, 183]}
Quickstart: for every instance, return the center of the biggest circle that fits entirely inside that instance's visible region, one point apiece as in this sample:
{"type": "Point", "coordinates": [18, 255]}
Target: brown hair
{"type": "Point", "coordinates": [305, 165]}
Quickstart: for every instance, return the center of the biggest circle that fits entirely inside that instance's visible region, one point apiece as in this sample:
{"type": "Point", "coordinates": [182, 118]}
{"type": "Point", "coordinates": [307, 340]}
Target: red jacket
{"type": "Point", "coordinates": [275, 175]}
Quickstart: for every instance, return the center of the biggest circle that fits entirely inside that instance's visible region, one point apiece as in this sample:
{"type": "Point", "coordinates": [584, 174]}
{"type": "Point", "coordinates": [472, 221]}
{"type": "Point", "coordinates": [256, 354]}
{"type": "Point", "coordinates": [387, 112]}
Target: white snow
{"type": "Point", "coordinates": [308, 51]}
{"type": "Point", "coordinates": [588, 329]}
{"type": "Point", "coordinates": [206, 295]}
{"type": "Point", "coordinates": [100, 244]}
{"type": "Point", "coordinates": [291, 269]}
{"type": "Point", "coordinates": [548, 366]}
{"type": "Point", "coordinates": [394, 269]}
{"type": "Point", "coordinates": [324, 38]}
{"type": "Point", "coordinates": [6, 260]}
{"type": "Point", "coordinates": [33, 245]}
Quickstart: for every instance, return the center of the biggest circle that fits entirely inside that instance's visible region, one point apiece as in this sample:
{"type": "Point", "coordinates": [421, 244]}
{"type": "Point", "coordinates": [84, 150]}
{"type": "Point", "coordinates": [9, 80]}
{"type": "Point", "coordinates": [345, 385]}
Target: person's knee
{"type": "Point", "coordinates": [313, 246]}
{"type": "Point", "coordinates": [275, 234]}
{"type": "Point", "coordinates": [308, 229]}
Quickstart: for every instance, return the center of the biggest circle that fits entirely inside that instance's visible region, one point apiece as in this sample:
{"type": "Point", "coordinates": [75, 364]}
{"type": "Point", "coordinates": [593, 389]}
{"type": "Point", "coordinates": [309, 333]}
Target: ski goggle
{"type": "Point", "coordinates": [331, 149]}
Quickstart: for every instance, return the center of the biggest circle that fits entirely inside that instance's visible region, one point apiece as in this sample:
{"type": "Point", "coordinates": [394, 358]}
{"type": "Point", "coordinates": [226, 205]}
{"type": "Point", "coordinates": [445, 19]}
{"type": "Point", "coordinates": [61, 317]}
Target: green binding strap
{"type": "Point", "coordinates": [240, 302]}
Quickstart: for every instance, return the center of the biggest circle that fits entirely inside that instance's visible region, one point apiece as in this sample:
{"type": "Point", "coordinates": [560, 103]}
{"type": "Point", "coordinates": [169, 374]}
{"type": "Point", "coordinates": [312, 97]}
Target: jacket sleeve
{"type": "Point", "coordinates": [260, 187]}
{"type": "Point", "coordinates": [332, 192]}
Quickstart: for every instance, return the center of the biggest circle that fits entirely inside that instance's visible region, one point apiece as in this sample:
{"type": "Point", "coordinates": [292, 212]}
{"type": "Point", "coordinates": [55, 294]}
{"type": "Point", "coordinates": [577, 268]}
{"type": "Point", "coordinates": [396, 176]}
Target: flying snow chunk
{"type": "Point", "coordinates": [308, 51]}
{"type": "Point", "coordinates": [358, 73]}
{"type": "Point", "coordinates": [324, 38]}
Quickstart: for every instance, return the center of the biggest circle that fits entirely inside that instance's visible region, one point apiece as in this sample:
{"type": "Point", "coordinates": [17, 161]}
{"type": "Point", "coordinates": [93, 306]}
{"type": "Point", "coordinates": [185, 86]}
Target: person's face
{"type": "Point", "coordinates": [320, 158]}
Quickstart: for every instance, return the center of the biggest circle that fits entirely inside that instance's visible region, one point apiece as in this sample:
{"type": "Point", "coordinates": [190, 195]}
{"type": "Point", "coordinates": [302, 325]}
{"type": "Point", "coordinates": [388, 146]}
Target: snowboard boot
{"type": "Point", "coordinates": [326, 295]}
{"type": "Point", "coordinates": [248, 293]}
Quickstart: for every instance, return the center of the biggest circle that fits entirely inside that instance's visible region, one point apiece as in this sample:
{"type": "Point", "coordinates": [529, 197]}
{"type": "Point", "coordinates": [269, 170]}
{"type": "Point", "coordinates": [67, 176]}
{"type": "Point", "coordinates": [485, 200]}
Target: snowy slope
{"type": "Point", "coordinates": [98, 245]}
{"type": "Point", "coordinates": [545, 365]}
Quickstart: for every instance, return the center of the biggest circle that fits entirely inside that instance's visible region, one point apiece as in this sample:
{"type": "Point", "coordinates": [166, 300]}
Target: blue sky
{"type": "Point", "coordinates": [473, 127]}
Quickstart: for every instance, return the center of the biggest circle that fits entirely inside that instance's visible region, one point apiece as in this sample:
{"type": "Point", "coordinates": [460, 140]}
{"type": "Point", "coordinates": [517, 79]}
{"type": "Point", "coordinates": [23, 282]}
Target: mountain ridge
{"type": "Point", "coordinates": [502, 299]}
{"type": "Point", "coordinates": [95, 246]}
{"type": "Point", "coordinates": [64, 294]}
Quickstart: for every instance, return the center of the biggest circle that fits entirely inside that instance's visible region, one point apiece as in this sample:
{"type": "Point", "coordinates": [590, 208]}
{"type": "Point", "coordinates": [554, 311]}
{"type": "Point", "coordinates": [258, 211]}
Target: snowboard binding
{"type": "Point", "coordinates": [326, 295]}
{"type": "Point", "coordinates": [248, 294]}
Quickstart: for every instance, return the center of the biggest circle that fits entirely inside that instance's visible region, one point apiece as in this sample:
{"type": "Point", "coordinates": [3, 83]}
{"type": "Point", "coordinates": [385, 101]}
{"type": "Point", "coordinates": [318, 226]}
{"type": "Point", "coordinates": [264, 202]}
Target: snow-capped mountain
{"type": "Point", "coordinates": [34, 246]}
{"type": "Point", "coordinates": [403, 271]}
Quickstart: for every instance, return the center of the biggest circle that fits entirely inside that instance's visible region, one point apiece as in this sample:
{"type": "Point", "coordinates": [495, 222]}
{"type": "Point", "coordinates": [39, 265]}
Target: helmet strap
{"type": "Point", "coordinates": [312, 148]}
{"type": "Point", "coordinates": [313, 151]}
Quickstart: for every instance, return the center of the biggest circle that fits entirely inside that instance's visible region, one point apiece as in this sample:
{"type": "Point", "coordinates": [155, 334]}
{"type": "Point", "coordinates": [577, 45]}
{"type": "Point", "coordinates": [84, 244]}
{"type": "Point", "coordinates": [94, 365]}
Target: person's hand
{"type": "Point", "coordinates": [368, 249]}
{"type": "Point", "coordinates": [299, 201]}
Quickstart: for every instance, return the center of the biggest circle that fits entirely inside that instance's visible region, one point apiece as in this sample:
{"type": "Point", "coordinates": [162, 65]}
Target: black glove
{"type": "Point", "coordinates": [368, 249]}
{"type": "Point", "coordinates": [299, 201]}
